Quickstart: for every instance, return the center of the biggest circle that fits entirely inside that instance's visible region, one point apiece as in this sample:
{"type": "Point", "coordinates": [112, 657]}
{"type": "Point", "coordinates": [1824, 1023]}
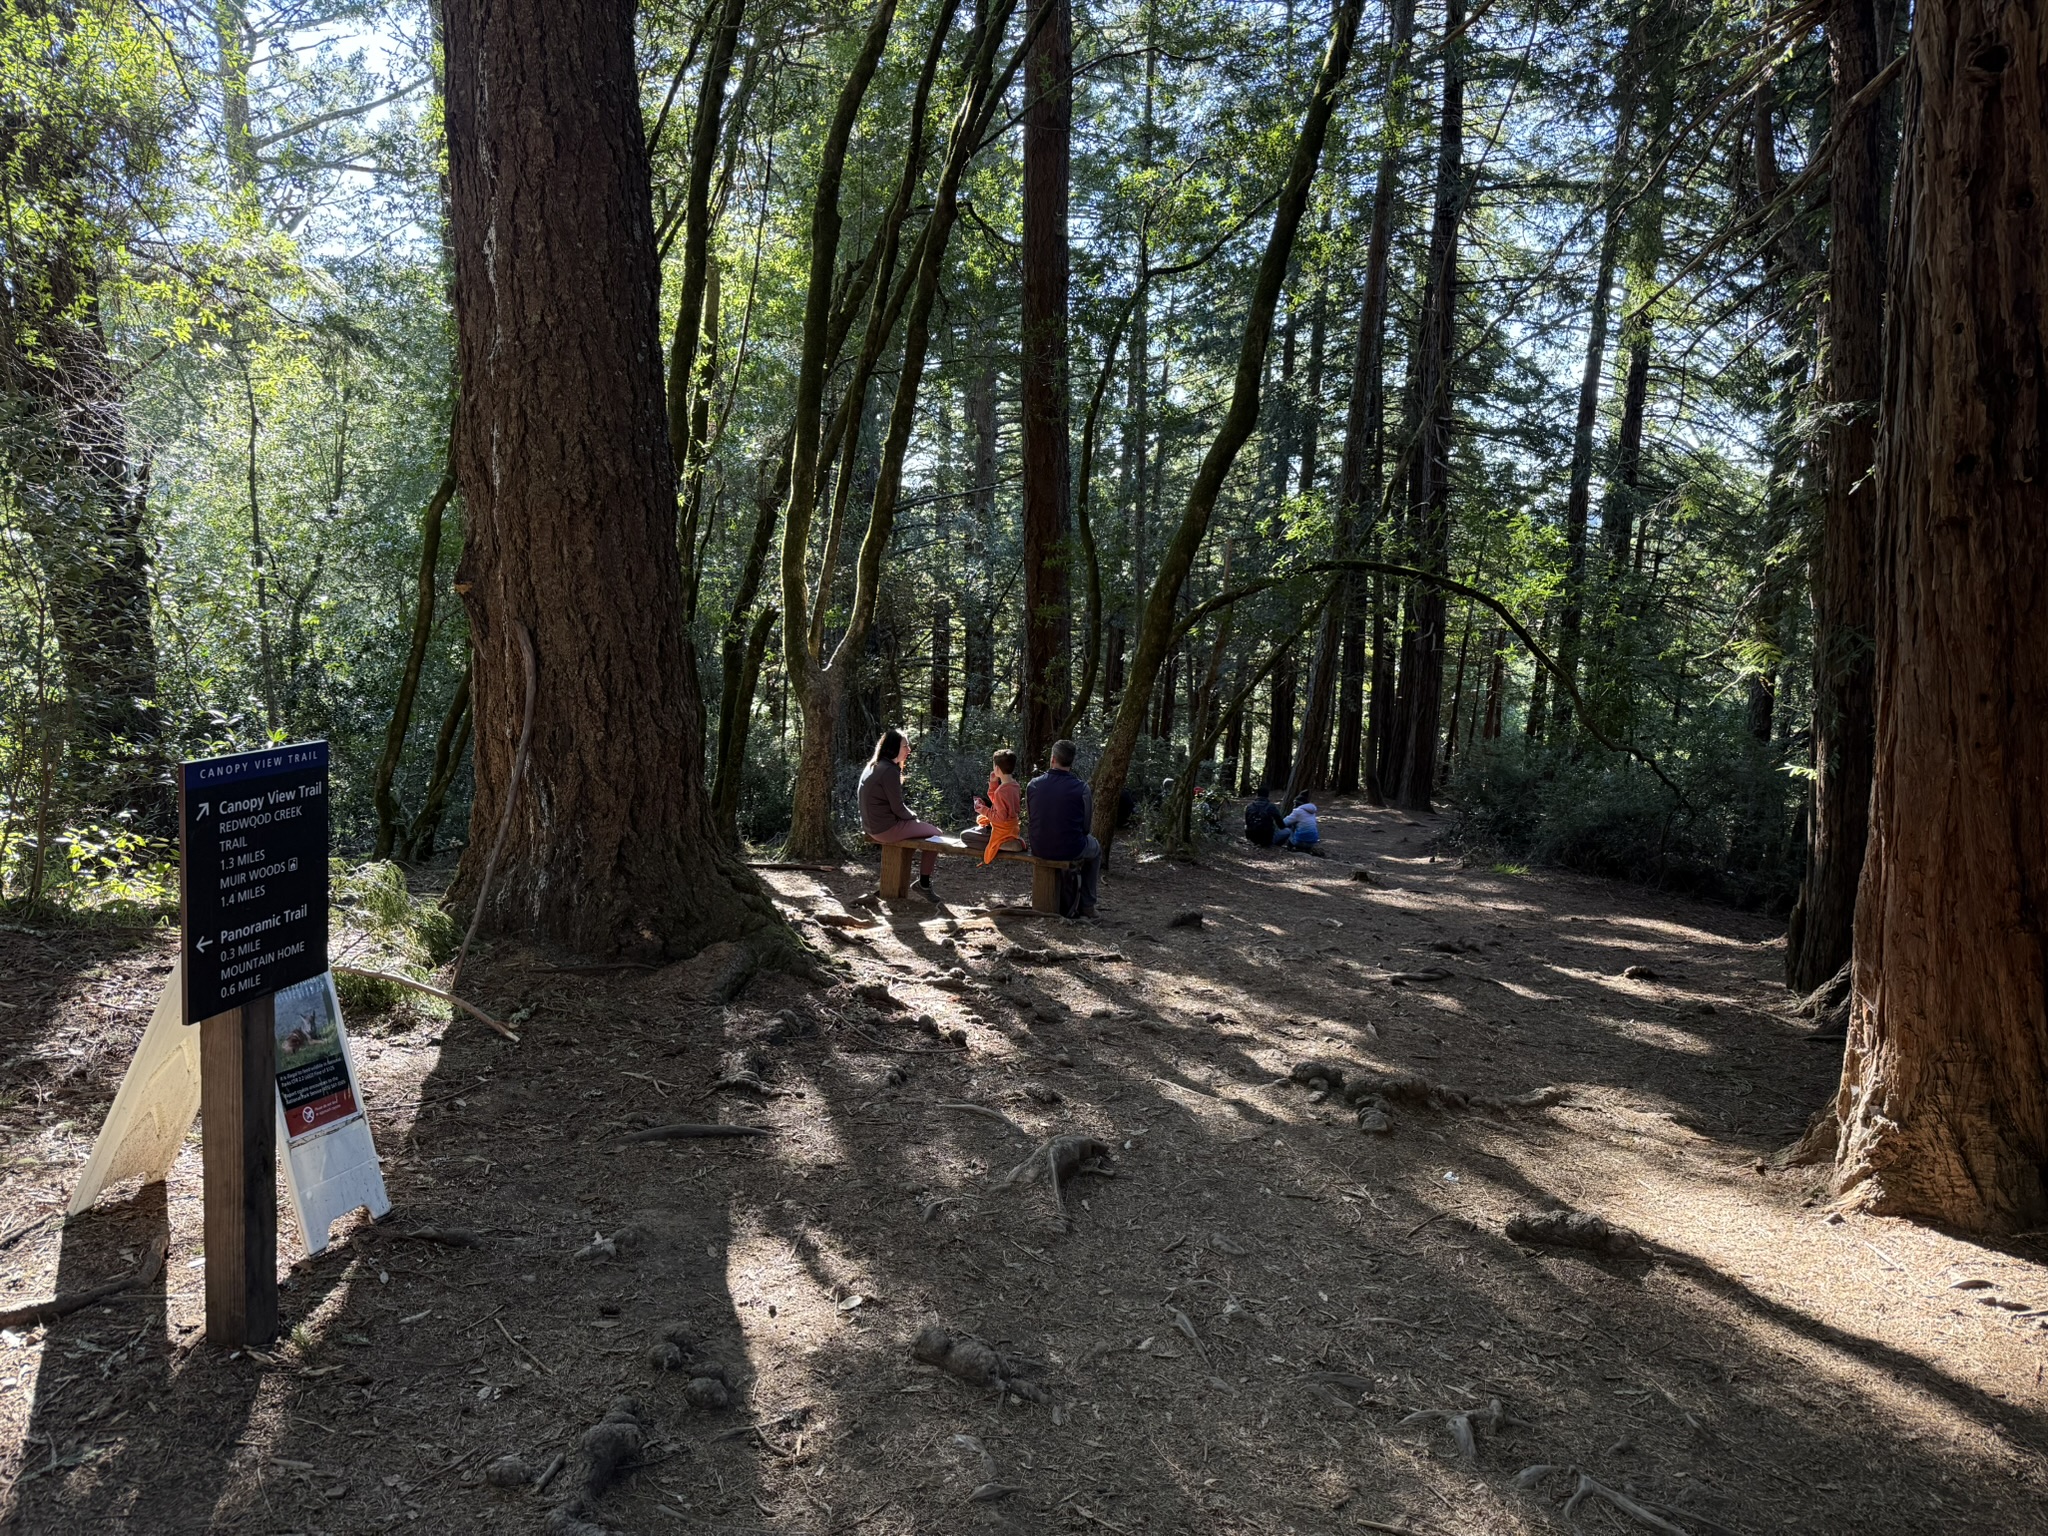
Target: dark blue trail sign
{"type": "Point", "coordinates": [253, 876]}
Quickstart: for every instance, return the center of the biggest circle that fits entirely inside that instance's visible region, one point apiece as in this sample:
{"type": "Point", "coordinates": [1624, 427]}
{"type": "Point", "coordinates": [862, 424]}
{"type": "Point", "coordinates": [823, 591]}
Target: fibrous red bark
{"type": "Point", "coordinates": [563, 455]}
{"type": "Point", "coordinates": [1944, 1096]}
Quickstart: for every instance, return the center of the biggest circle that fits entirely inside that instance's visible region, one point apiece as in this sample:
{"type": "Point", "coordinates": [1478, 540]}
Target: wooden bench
{"type": "Point", "coordinates": [898, 859]}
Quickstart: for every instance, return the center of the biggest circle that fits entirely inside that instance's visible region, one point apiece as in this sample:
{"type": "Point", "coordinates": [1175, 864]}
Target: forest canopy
{"type": "Point", "coordinates": [1564, 350]}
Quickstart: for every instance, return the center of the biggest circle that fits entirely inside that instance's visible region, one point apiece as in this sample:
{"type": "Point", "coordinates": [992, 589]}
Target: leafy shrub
{"type": "Point", "coordinates": [1606, 814]}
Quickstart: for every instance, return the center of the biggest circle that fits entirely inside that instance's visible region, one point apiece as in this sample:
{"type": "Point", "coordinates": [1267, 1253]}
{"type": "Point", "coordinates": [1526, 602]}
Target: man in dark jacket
{"type": "Point", "coordinates": [1059, 809]}
{"type": "Point", "coordinates": [1261, 819]}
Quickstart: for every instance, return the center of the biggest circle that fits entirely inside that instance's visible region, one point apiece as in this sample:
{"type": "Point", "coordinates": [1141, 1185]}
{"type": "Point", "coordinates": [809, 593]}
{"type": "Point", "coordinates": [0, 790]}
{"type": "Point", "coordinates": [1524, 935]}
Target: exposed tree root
{"type": "Point", "coordinates": [1062, 1158]}
{"type": "Point", "coordinates": [1591, 1488]}
{"type": "Point", "coordinates": [1464, 1425]}
{"type": "Point", "coordinates": [1576, 1229]}
{"type": "Point", "coordinates": [41, 1312]}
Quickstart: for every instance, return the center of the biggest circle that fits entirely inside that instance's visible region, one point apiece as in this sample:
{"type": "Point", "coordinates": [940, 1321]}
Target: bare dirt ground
{"type": "Point", "coordinates": [1228, 1334]}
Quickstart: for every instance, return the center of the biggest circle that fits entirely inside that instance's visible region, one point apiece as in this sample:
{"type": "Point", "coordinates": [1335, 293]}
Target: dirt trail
{"type": "Point", "coordinates": [1223, 1331]}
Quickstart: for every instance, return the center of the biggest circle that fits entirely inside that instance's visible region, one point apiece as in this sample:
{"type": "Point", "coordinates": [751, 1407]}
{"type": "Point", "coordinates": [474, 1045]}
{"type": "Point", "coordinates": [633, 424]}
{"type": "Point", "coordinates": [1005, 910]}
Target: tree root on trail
{"type": "Point", "coordinates": [1576, 1229]}
{"type": "Point", "coordinates": [39, 1313]}
{"type": "Point", "coordinates": [972, 1361]}
{"type": "Point", "coordinates": [1063, 1157]}
{"type": "Point", "coordinates": [1590, 1487]}
{"type": "Point", "coordinates": [1464, 1424]}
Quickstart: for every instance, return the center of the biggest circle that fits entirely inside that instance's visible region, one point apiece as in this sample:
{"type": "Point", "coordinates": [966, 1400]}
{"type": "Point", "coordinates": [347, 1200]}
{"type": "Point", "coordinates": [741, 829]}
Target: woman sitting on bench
{"type": "Point", "coordinates": [998, 820]}
{"type": "Point", "coordinates": [884, 816]}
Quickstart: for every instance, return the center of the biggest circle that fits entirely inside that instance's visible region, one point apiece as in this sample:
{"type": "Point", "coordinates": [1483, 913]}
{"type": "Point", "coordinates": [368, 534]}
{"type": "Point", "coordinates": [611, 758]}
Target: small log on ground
{"type": "Point", "coordinates": [1576, 1229]}
{"type": "Point", "coordinates": [971, 1361]}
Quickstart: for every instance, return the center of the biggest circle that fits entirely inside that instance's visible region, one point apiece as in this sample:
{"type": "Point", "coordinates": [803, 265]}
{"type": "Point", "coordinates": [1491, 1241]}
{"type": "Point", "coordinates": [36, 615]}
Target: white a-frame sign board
{"type": "Point", "coordinates": [330, 1163]}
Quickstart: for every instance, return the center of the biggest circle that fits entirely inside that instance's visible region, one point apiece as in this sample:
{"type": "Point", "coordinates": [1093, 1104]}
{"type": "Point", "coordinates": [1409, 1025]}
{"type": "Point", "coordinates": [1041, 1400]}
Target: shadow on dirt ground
{"type": "Point", "coordinates": [1230, 1329]}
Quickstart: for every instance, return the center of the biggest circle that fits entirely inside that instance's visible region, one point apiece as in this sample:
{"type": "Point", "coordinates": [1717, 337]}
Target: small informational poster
{"type": "Point", "coordinates": [330, 1158]}
{"type": "Point", "coordinates": [315, 1086]}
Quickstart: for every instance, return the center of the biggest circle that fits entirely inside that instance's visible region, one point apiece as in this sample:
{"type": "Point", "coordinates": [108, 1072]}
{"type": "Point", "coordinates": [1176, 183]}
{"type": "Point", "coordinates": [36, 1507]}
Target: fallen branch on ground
{"type": "Point", "coordinates": [420, 986]}
{"type": "Point", "coordinates": [978, 1109]}
{"type": "Point", "coordinates": [41, 1312]}
{"type": "Point", "coordinates": [446, 1237]}
{"type": "Point", "coordinates": [693, 1130]}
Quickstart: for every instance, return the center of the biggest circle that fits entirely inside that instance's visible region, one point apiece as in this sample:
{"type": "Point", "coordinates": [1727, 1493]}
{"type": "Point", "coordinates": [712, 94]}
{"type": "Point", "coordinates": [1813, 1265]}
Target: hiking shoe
{"type": "Point", "coordinates": [924, 888]}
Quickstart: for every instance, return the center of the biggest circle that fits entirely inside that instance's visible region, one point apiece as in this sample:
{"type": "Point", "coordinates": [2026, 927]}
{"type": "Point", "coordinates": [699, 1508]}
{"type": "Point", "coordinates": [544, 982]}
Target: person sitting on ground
{"type": "Point", "coordinates": [1261, 819]}
{"type": "Point", "coordinates": [1062, 808]}
{"type": "Point", "coordinates": [1300, 827]}
{"type": "Point", "coordinates": [884, 816]}
{"type": "Point", "coordinates": [998, 820]}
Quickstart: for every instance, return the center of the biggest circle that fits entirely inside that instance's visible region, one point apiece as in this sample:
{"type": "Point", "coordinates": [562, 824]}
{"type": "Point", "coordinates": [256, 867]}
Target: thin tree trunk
{"type": "Point", "coordinates": [449, 745]}
{"type": "Point", "coordinates": [1347, 775]}
{"type": "Point", "coordinates": [980, 653]}
{"type": "Point", "coordinates": [1155, 634]}
{"type": "Point", "coordinates": [1044, 405]}
{"type": "Point", "coordinates": [704, 128]}
{"type": "Point", "coordinates": [389, 812]}
{"type": "Point", "coordinates": [569, 482]}
{"type": "Point", "coordinates": [1579, 497]}
{"type": "Point", "coordinates": [939, 716]}
{"type": "Point", "coordinates": [1844, 710]}
{"type": "Point", "coordinates": [1422, 683]}
{"type": "Point", "coordinates": [1280, 701]}
{"type": "Point", "coordinates": [1944, 1095]}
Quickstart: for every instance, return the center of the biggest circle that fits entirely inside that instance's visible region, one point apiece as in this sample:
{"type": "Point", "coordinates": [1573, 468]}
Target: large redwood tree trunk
{"type": "Point", "coordinates": [1944, 1096]}
{"type": "Point", "coordinates": [1843, 576]}
{"type": "Point", "coordinates": [563, 454]}
{"type": "Point", "coordinates": [1048, 603]}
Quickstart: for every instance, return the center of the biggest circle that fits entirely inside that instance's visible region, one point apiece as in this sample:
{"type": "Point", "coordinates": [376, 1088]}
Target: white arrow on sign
{"type": "Point", "coordinates": [200, 944]}
{"type": "Point", "coordinates": [205, 806]}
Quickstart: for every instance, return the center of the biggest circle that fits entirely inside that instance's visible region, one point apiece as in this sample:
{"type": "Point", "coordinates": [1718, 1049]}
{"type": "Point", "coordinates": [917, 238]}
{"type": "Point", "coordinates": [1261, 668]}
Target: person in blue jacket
{"type": "Point", "coordinates": [1059, 809]}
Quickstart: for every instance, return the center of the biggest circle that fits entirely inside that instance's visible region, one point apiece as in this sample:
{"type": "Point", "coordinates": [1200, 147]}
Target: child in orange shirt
{"type": "Point", "coordinates": [998, 819]}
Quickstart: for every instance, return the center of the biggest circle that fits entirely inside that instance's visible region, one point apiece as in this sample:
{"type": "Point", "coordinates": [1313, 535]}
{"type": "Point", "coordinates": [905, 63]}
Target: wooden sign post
{"type": "Point", "coordinates": [252, 892]}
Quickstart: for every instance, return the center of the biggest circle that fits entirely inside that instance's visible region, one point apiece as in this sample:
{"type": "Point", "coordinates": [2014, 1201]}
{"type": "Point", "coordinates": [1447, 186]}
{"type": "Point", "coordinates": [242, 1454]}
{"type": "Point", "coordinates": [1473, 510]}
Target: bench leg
{"type": "Point", "coordinates": [1045, 889]}
{"type": "Point", "coordinates": [896, 860]}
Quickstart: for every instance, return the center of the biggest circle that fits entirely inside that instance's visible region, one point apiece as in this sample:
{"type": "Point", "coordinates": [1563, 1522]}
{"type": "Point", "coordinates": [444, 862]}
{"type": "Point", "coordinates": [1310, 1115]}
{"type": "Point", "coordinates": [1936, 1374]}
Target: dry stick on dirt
{"type": "Point", "coordinates": [692, 1130]}
{"type": "Point", "coordinates": [38, 1313]}
{"type": "Point", "coordinates": [519, 757]}
{"type": "Point", "coordinates": [420, 986]}
{"type": "Point", "coordinates": [978, 1109]}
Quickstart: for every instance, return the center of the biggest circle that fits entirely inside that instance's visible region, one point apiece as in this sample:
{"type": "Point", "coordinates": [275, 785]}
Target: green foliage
{"type": "Point", "coordinates": [1607, 815]}
{"type": "Point", "coordinates": [383, 926]}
